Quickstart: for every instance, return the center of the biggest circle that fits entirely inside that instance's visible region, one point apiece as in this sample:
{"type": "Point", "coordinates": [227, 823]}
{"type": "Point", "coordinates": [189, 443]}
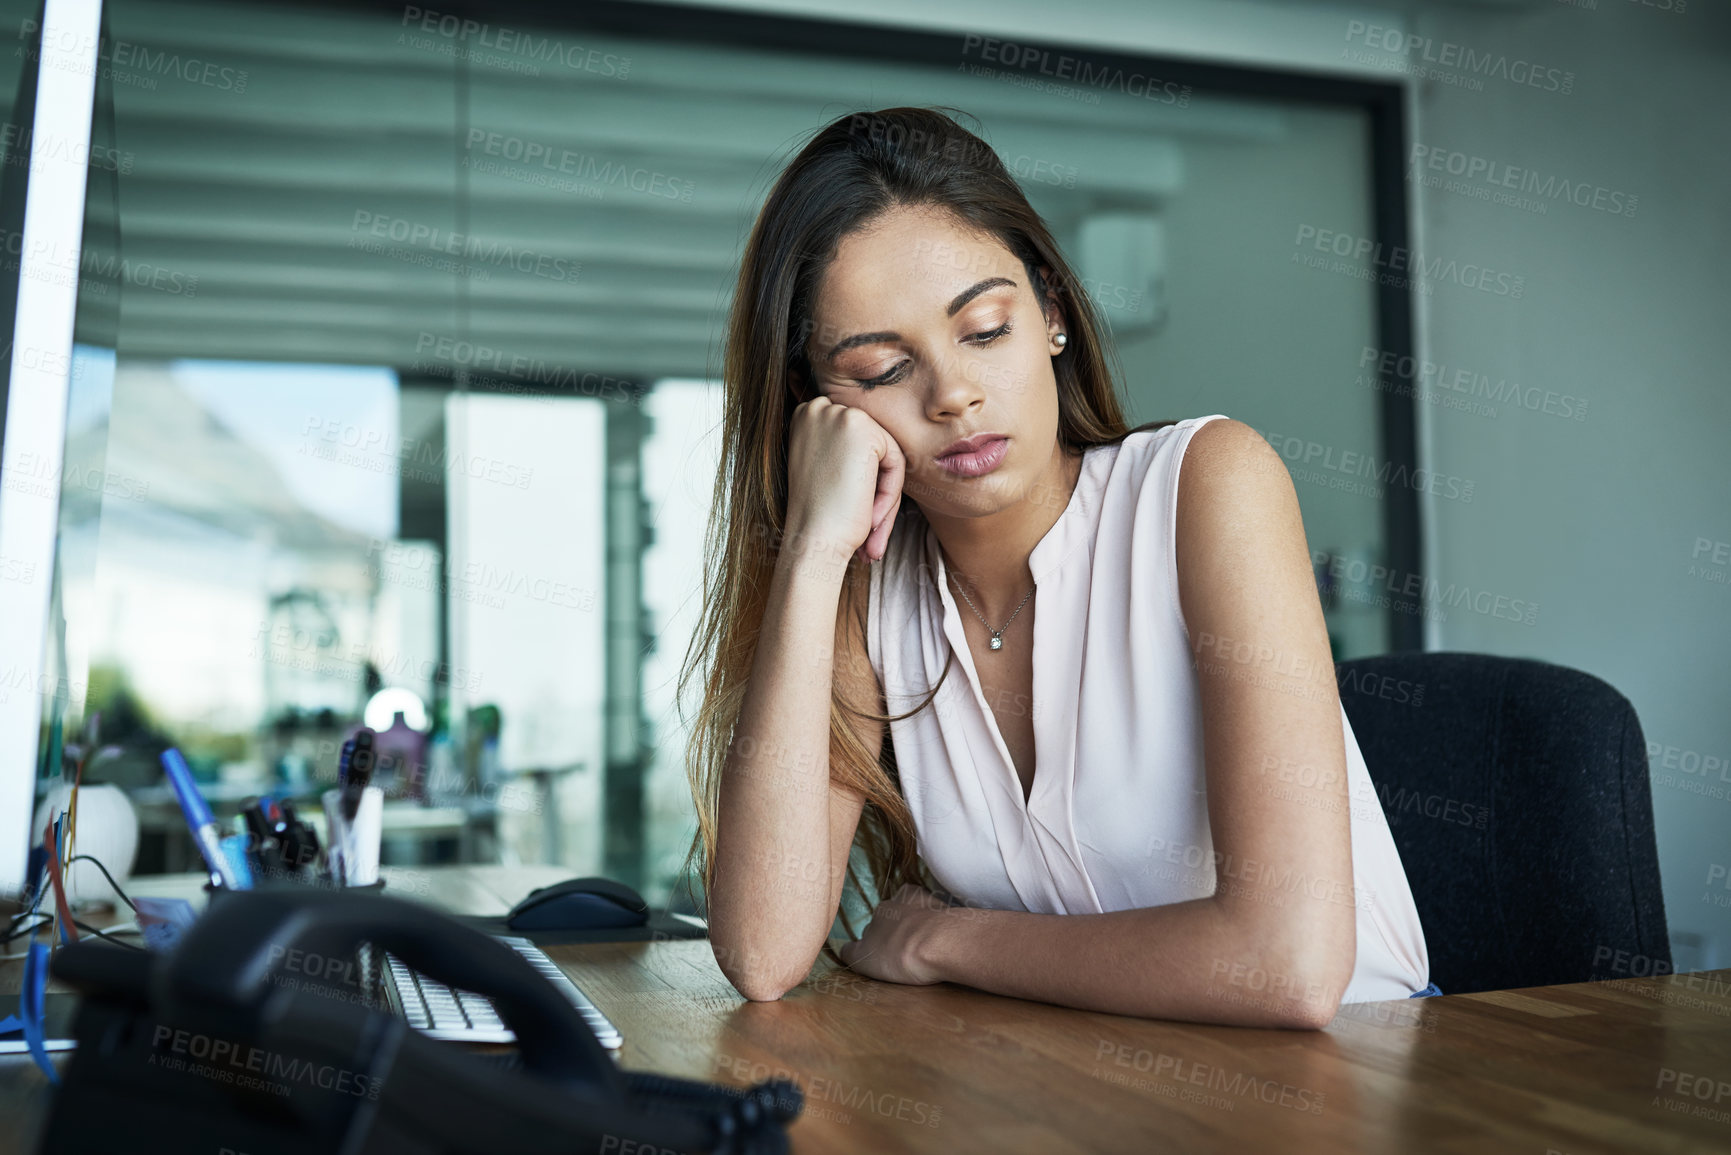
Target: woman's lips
{"type": "Point", "coordinates": [978, 463]}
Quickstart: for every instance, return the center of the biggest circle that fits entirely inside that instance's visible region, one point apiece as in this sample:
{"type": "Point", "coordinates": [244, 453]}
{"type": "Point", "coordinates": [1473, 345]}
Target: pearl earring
{"type": "Point", "coordinates": [1061, 340]}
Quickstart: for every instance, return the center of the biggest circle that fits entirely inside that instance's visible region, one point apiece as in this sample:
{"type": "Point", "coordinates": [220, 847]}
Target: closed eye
{"type": "Point", "coordinates": [894, 374]}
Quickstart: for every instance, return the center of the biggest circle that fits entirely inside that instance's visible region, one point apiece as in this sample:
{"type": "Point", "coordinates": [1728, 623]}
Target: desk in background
{"type": "Point", "coordinates": [1638, 1065]}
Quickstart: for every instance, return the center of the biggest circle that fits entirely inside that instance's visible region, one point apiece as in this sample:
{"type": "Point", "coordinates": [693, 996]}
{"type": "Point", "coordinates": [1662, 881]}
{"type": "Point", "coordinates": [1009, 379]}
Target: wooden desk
{"type": "Point", "coordinates": [1638, 1065]}
{"type": "Point", "coordinates": [1580, 1069]}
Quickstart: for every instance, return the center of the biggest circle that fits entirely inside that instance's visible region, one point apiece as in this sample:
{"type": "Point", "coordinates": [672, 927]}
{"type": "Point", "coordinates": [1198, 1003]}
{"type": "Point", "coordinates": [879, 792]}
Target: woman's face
{"type": "Point", "coordinates": [934, 332]}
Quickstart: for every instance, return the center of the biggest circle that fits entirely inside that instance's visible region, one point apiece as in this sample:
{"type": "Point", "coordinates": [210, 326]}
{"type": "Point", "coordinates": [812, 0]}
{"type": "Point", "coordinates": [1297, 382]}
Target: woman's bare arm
{"type": "Point", "coordinates": [783, 832]}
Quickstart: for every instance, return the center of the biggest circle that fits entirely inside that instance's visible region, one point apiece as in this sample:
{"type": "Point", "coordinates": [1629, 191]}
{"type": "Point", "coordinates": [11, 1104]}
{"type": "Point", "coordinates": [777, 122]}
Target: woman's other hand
{"type": "Point", "coordinates": [896, 945]}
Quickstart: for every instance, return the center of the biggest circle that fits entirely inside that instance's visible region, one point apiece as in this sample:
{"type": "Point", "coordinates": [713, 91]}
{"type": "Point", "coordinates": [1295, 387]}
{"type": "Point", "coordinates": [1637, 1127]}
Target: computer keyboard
{"type": "Point", "coordinates": [441, 1012]}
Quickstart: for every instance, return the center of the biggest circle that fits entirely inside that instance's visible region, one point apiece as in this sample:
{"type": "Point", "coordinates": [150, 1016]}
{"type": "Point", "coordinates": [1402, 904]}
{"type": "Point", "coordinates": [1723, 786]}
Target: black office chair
{"type": "Point", "coordinates": [1517, 794]}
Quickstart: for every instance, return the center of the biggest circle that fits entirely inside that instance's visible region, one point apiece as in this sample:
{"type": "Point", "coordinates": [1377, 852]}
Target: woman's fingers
{"type": "Point", "coordinates": [889, 525]}
{"type": "Point", "coordinates": [891, 468]}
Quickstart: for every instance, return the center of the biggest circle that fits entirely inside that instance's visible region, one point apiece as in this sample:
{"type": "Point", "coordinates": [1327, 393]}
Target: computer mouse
{"type": "Point", "coordinates": [579, 904]}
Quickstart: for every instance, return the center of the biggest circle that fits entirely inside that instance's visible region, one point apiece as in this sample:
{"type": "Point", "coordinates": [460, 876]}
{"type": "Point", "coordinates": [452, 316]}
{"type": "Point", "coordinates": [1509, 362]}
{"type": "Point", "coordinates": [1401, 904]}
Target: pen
{"type": "Point", "coordinates": [257, 825]}
{"type": "Point", "coordinates": [300, 842]}
{"type": "Point", "coordinates": [199, 819]}
{"type": "Point", "coordinates": [357, 770]}
{"type": "Point", "coordinates": [343, 757]}
{"type": "Point", "coordinates": [261, 840]}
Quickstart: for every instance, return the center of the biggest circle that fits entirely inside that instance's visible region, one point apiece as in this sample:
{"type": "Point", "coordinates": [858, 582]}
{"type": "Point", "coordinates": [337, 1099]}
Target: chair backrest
{"type": "Point", "coordinates": [1517, 793]}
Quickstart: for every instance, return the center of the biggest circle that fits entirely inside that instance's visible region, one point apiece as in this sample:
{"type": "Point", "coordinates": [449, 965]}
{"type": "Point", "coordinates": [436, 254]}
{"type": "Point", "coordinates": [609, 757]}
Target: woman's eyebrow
{"type": "Point", "coordinates": [950, 310]}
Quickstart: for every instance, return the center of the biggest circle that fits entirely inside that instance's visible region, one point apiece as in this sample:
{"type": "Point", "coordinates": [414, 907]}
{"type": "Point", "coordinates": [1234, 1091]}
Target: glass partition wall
{"type": "Point", "coordinates": [414, 396]}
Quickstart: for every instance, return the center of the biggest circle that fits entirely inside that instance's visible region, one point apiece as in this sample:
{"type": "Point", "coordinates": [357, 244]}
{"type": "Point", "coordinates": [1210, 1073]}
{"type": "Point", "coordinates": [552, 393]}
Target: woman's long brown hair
{"type": "Point", "coordinates": [850, 171]}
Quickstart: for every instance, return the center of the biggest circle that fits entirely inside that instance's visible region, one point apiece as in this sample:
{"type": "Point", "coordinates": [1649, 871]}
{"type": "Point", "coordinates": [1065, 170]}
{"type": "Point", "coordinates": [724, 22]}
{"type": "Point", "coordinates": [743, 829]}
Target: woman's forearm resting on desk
{"type": "Point", "coordinates": [781, 843]}
{"type": "Point", "coordinates": [1216, 959]}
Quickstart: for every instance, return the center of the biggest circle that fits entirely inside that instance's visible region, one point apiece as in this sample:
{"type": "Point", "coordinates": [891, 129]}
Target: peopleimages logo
{"type": "Point", "coordinates": [511, 41]}
{"type": "Point", "coordinates": [421, 458]}
{"type": "Point", "coordinates": [1395, 260]}
{"type": "Point", "coordinates": [1360, 581]}
{"type": "Point", "coordinates": [19, 677]}
{"type": "Point", "coordinates": [1237, 1084]}
{"type": "Point", "coordinates": [38, 474]}
{"type": "Point", "coordinates": [598, 171]}
{"type": "Point", "coordinates": [97, 269]}
{"type": "Point", "coordinates": [131, 63]}
{"type": "Point", "coordinates": [465, 245]}
{"type": "Point", "coordinates": [1451, 58]}
{"type": "Point", "coordinates": [1348, 466]}
{"type": "Point", "coordinates": [1076, 69]}
{"type": "Point", "coordinates": [224, 1061]}
{"type": "Point", "coordinates": [24, 147]}
{"type": "Point", "coordinates": [301, 648]}
{"type": "Point", "coordinates": [1434, 378]}
{"type": "Point", "coordinates": [1506, 176]}
{"type": "Point", "coordinates": [437, 353]}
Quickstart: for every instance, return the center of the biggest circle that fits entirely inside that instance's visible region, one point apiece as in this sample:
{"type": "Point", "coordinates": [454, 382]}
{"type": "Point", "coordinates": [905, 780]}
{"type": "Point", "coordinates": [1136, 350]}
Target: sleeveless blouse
{"type": "Point", "coordinates": [1117, 817]}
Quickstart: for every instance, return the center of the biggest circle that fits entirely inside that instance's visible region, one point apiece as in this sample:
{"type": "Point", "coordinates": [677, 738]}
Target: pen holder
{"type": "Point", "coordinates": [352, 843]}
{"type": "Point", "coordinates": [374, 887]}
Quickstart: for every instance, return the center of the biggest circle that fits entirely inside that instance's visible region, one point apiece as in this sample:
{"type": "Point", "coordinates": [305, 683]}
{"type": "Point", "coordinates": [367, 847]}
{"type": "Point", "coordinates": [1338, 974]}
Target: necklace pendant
{"type": "Point", "coordinates": [997, 642]}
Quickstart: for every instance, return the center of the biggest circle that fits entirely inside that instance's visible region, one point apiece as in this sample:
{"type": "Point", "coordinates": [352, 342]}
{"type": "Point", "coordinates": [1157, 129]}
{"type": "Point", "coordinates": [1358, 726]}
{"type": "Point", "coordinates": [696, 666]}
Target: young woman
{"type": "Point", "coordinates": [1120, 777]}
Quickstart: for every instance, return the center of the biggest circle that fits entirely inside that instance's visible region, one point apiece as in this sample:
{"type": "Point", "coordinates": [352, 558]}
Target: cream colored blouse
{"type": "Point", "coordinates": [1117, 817]}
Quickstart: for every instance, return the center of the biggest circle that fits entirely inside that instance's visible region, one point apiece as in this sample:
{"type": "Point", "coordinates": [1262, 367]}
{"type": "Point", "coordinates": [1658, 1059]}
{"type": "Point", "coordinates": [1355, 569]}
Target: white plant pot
{"type": "Point", "coordinates": [107, 831]}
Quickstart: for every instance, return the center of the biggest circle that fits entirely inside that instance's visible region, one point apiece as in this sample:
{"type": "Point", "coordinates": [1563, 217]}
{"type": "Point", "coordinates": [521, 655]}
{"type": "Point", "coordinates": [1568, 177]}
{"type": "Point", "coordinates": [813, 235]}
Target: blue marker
{"type": "Point", "coordinates": [205, 832]}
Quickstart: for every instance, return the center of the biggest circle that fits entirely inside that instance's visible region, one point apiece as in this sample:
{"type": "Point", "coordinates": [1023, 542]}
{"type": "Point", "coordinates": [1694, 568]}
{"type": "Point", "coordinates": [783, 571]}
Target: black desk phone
{"type": "Point", "coordinates": [259, 1034]}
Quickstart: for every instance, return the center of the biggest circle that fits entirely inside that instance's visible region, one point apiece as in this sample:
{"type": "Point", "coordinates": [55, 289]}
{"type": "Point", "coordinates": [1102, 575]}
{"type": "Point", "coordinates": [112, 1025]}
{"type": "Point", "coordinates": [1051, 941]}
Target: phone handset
{"type": "Point", "coordinates": [228, 958]}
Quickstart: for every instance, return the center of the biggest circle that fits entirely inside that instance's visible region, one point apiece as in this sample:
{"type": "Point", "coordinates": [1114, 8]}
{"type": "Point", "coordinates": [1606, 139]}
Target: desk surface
{"type": "Point", "coordinates": [1638, 1065]}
